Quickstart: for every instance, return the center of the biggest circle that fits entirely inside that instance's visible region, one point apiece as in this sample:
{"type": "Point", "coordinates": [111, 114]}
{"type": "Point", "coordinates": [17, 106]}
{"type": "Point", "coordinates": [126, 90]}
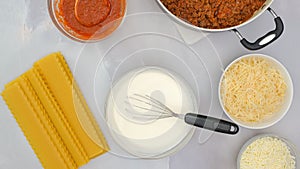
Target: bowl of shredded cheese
{"type": "Point", "coordinates": [255, 91]}
{"type": "Point", "coordinates": [268, 151]}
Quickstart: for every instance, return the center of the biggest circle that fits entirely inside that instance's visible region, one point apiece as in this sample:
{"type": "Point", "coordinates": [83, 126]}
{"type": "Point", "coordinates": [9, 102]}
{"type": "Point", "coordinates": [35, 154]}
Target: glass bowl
{"type": "Point", "coordinates": [292, 148]}
{"type": "Point", "coordinates": [99, 32]}
{"type": "Point", "coordinates": [150, 50]}
{"type": "Point", "coordinates": [140, 43]}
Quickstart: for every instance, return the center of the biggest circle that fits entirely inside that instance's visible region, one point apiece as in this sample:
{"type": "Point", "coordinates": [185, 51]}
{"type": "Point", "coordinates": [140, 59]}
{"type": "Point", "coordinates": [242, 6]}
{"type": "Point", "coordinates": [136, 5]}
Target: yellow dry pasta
{"type": "Point", "coordinates": [252, 89]}
{"type": "Point", "coordinates": [54, 116]}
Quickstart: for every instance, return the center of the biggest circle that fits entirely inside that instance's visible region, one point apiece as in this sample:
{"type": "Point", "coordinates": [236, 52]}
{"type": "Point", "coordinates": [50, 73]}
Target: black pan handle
{"type": "Point", "coordinates": [266, 39]}
{"type": "Point", "coordinates": [211, 123]}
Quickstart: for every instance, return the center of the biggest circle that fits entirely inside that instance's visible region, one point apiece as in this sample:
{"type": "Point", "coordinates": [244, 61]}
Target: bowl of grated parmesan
{"type": "Point", "coordinates": [268, 151]}
{"type": "Point", "coordinates": [255, 91]}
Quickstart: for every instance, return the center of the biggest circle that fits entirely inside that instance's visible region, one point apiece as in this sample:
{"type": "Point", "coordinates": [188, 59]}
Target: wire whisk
{"type": "Point", "coordinates": [144, 108]}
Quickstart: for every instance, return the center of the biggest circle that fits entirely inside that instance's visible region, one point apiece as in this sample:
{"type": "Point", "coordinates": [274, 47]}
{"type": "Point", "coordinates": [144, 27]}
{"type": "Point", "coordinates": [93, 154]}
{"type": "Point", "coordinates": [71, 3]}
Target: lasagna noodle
{"type": "Point", "coordinates": [63, 131]}
{"type": "Point", "coordinates": [33, 125]}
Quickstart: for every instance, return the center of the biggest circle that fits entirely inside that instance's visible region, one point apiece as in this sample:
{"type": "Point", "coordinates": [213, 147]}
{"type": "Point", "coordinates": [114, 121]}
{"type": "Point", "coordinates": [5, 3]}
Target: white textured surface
{"type": "Point", "coordinates": [26, 38]}
{"type": "Point", "coordinates": [190, 36]}
{"type": "Point", "coordinates": [27, 34]}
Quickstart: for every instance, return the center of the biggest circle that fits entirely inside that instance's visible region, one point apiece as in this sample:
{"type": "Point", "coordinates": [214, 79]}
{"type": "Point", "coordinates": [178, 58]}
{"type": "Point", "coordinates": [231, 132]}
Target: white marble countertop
{"type": "Point", "coordinates": [27, 36]}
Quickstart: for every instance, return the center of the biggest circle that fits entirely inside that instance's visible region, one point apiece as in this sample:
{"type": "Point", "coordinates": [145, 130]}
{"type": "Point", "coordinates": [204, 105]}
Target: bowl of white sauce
{"type": "Point", "coordinates": [147, 64]}
{"type": "Point", "coordinates": [155, 138]}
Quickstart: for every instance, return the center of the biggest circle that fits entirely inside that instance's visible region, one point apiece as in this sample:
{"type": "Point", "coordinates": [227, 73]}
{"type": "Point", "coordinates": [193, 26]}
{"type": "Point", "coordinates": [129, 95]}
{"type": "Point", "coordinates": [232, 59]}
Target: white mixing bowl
{"type": "Point", "coordinates": [277, 116]}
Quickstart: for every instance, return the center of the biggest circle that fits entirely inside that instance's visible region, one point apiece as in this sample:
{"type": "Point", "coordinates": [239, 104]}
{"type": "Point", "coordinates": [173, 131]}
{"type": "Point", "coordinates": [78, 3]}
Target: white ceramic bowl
{"type": "Point", "coordinates": [277, 116]}
{"type": "Point", "coordinates": [293, 150]}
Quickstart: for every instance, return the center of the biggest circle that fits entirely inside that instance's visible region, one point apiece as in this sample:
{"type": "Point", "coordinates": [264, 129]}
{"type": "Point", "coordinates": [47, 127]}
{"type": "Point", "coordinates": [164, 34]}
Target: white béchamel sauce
{"type": "Point", "coordinates": [156, 136]}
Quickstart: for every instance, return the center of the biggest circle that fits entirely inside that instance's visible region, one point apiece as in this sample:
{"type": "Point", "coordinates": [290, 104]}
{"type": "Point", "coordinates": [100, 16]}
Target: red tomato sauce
{"type": "Point", "coordinates": [90, 19]}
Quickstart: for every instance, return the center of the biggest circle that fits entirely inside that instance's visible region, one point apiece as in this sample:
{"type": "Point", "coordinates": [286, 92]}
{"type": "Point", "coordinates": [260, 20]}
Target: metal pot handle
{"type": "Point", "coordinates": [266, 39]}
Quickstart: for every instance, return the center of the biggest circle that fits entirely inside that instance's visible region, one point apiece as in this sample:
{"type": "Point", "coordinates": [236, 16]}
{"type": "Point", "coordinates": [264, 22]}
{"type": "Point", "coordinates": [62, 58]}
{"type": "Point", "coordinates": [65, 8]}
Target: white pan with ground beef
{"type": "Point", "coordinates": [223, 15]}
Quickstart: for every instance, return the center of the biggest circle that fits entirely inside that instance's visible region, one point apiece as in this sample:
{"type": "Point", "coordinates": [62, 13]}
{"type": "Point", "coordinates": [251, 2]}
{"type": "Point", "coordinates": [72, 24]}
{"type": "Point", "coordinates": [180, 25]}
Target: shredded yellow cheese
{"type": "Point", "coordinates": [252, 89]}
{"type": "Point", "coordinates": [267, 153]}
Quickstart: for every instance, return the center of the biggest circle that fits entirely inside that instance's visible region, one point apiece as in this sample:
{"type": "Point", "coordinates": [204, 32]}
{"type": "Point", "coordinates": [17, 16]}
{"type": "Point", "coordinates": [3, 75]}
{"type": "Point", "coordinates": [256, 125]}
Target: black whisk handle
{"type": "Point", "coordinates": [211, 123]}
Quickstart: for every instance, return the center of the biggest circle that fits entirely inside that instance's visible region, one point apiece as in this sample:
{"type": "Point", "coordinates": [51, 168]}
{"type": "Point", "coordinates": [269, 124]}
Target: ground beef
{"type": "Point", "coordinates": [214, 14]}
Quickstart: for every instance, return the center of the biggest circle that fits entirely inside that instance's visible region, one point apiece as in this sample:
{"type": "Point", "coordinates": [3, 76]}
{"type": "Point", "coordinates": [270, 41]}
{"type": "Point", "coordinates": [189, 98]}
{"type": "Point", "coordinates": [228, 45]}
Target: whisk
{"type": "Point", "coordinates": [152, 109]}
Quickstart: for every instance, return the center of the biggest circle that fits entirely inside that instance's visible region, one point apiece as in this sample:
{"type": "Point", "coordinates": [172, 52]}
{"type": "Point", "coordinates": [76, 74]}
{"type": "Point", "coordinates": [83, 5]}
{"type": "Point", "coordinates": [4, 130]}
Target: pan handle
{"type": "Point", "coordinates": [266, 39]}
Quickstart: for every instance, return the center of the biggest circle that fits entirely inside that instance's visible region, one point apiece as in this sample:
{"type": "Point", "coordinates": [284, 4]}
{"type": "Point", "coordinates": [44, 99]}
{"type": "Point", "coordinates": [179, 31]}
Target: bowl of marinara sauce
{"type": "Point", "coordinates": [87, 20]}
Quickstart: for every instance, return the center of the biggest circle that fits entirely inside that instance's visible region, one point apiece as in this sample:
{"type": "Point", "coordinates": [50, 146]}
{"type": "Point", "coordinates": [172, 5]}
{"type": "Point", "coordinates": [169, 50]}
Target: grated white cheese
{"type": "Point", "coordinates": [252, 89]}
{"type": "Point", "coordinates": [267, 153]}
